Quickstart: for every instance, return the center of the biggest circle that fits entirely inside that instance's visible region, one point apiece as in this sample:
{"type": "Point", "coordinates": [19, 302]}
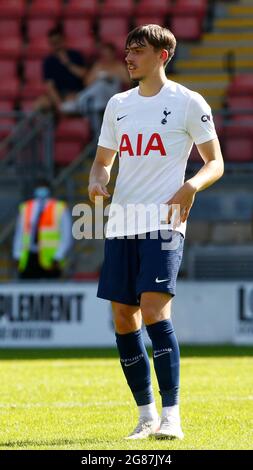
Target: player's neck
{"type": "Point", "coordinates": [151, 86]}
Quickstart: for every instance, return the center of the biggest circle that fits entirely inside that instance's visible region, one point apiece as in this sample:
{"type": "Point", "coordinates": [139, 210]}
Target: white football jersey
{"type": "Point", "coordinates": [153, 137]}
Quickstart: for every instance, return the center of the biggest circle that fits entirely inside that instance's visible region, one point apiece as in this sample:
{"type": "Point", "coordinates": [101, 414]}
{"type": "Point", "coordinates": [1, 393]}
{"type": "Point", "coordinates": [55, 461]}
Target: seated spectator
{"type": "Point", "coordinates": [108, 65]}
{"type": "Point", "coordinates": [64, 72]}
{"type": "Point", "coordinates": [106, 78]}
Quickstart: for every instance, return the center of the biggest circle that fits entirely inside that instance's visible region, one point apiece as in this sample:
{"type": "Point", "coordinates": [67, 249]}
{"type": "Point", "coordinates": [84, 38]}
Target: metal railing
{"type": "Point", "coordinates": [26, 152]}
{"type": "Point", "coordinates": [29, 147]}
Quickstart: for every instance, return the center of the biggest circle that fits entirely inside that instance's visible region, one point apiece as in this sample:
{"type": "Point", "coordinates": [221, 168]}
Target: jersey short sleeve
{"type": "Point", "coordinates": [199, 120]}
{"type": "Point", "coordinates": [107, 136]}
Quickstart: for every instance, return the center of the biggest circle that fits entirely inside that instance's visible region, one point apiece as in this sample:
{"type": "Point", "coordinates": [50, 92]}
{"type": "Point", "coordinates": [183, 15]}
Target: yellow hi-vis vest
{"type": "Point", "coordinates": [48, 232]}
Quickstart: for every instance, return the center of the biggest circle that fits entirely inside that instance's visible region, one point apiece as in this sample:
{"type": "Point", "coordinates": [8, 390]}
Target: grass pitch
{"type": "Point", "coordinates": [78, 399]}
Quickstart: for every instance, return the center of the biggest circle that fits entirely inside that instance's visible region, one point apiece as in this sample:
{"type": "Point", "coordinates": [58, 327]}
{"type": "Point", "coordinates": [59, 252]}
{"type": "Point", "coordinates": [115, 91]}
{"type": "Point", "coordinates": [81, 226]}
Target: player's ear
{"type": "Point", "coordinates": [164, 55]}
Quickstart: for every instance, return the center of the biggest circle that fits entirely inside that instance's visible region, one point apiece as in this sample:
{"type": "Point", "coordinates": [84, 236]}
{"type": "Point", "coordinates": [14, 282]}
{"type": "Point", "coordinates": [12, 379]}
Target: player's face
{"type": "Point", "coordinates": [142, 61]}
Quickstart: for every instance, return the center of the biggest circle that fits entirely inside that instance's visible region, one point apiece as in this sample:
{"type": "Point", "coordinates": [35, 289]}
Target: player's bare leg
{"type": "Point", "coordinates": [156, 312]}
{"type": "Point", "coordinates": [135, 365]}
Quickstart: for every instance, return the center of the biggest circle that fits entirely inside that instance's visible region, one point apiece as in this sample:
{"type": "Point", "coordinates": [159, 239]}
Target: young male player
{"type": "Point", "coordinates": [153, 127]}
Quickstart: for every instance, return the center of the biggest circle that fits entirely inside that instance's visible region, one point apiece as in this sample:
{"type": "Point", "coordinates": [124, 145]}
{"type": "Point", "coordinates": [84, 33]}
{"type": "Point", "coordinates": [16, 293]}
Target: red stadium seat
{"type": "Point", "coordinates": [66, 152]}
{"type": "Point", "coordinates": [238, 149]}
{"type": "Point", "coordinates": [6, 106]}
{"type": "Point", "coordinates": [219, 126]}
{"type": "Point", "coordinates": [11, 47]}
{"type": "Point", "coordinates": [32, 90]}
{"type": "Point", "coordinates": [111, 27]}
{"type": "Point", "coordinates": [45, 8]}
{"type": "Point", "coordinates": [6, 122]}
{"type": "Point", "coordinates": [80, 8]}
{"type": "Point", "coordinates": [241, 103]}
{"type": "Point", "coordinates": [241, 85]}
{"type": "Point", "coordinates": [74, 128]}
{"type": "Point", "coordinates": [39, 27]}
{"type": "Point", "coordinates": [34, 85]}
{"type": "Point", "coordinates": [33, 70]}
{"type": "Point", "coordinates": [27, 105]}
{"type": "Point", "coordinates": [194, 155]}
{"type": "Point", "coordinates": [151, 7]}
{"type": "Point", "coordinates": [38, 48]}
{"type": "Point", "coordinates": [141, 20]}
{"type": "Point", "coordinates": [112, 8]}
{"type": "Point", "coordinates": [188, 29]}
{"type": "Point", "coordinates": [195, 8]}
{"type": "Point", "coordinates": [12, 8]}
{"type": "Point", "coordinates": [9, 88]}
{"type": "Point", "coordinates": [9, 27]}
{"type": "Point", "coordinates": [75, 27]}
{"type": "Point", "coordinates": [8, 69]}
{"type": "Point", "coordinates": [119, 42]}
{"type": "Point", "coordinates": [85, 45]}
{"type": "Point", "coordinates": [6, 125]}
{"type": "Point", "coordinates": [239, 126]}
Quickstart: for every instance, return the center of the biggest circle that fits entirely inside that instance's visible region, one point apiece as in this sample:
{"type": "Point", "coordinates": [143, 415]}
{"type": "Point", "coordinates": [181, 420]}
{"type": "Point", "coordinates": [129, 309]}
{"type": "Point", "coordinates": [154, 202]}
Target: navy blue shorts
{"type": "Point", "coordinates": [136, 265]}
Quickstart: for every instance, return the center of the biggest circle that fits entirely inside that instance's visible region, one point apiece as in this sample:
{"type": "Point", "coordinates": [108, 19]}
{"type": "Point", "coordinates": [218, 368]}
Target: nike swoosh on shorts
{"type": "Point", "coordinates": [161, 280]}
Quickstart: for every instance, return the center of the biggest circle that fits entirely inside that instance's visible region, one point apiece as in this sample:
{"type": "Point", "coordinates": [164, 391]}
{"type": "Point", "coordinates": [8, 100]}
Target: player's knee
{"type": "Point", "coordinates": [124, 321]}
{"type": "Point", "coordinates": [151, 314]}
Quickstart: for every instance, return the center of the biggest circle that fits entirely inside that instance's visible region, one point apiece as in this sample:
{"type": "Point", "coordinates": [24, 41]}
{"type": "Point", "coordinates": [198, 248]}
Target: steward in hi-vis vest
{"type": "Point", "coordinates": [49, 234]}
{"type": "Point", "coordinates": [43, 236]}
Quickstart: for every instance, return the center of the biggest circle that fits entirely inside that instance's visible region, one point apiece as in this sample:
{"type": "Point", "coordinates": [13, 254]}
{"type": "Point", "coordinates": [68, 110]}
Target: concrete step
{"type": "Point", "coordinates": [228, 36]}
{"type": "Point", "coordinates": [214, 51]}
{"type": "Point", "coordinates": [214, 102]}
{"type": "Point", "coordinates": [241, 10]}
{"type": "Point", "coordinates": [212, 88]}
{"type": "Point", "coordinates": [207, 78]}
{"type": "Point", "coordinates": [209, 92]}
{"type": "Point", "coordinates": [234, 24]}
{"type": "Point", "coordinates": [217, 64]}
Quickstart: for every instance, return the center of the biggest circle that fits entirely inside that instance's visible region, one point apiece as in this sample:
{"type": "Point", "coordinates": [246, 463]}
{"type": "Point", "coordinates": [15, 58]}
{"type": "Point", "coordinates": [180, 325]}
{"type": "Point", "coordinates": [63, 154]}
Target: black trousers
{"type": "Point", "coordinates": [33, 270]}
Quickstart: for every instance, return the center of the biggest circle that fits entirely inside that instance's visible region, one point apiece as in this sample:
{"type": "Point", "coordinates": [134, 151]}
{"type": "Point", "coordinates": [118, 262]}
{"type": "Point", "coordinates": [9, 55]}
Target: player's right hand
{"type": "Point", "coordinates": [97, 189]}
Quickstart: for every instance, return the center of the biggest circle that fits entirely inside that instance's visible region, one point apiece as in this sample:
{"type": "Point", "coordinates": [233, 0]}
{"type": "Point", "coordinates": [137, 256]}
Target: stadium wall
{"type": "Point", "coordinates": [70, 314]}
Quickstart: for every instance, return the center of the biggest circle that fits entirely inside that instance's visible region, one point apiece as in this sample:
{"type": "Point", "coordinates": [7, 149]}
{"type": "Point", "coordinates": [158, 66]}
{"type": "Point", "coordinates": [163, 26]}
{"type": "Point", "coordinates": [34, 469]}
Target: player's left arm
{"type": "Point", "coordinates": [210, 172]}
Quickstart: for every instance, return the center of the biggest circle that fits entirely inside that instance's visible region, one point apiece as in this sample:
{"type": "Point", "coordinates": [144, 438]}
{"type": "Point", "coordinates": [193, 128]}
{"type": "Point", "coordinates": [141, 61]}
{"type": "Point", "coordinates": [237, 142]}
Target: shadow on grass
{"type": "Point", "coordinates": [30, 444]}
{"type": "Point", "coordinates": [102, 353]}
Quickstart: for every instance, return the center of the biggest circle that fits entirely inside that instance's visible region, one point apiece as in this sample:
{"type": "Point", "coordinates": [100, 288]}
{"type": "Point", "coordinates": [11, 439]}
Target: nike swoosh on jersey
{"type": "Point", "coordinates": [161, 280]}
{"type": "Point", "coordinates": [121, 117]}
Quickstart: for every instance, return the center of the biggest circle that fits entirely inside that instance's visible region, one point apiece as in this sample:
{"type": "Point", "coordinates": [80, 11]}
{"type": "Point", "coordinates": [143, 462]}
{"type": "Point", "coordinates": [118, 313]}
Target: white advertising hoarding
{"type": "Point", "coordinates": [70, 314]}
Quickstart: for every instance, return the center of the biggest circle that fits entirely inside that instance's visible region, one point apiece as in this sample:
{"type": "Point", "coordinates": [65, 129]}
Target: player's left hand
{"type": "Point", "coordinates": [183, 200]}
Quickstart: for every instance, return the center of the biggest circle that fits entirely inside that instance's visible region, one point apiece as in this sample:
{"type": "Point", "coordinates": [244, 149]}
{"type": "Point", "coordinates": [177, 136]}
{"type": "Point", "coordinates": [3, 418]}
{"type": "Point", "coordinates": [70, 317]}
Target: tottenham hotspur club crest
{"type": "Point", "coordinates": [166, 113]}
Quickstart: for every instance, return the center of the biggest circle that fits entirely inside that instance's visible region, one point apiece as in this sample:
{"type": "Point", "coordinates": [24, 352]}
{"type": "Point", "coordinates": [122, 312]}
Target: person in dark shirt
{"type": "Point", "coordinates": [64, 72]}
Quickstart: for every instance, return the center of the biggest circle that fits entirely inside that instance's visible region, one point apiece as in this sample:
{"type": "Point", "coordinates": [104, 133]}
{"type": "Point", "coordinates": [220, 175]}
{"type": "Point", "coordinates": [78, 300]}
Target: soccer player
{"type": "Point", "coordinates": [153, 127]}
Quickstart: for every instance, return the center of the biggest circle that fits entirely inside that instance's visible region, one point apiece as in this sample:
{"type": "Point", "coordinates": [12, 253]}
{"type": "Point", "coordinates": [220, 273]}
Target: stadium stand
{"type": "Point", "coordinates": [78, 8]}
{"type": "Point", "coordinates": [13, 8]}
{"type": "Point", "coordinates": [45, 9]}
{"type": "Point", "coordinates": [113, 8]}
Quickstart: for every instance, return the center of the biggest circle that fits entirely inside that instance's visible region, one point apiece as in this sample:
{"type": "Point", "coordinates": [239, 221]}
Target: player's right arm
{"type": "Point", "coordinates": [100, 173]}
{"type": "Point", "coordinates": [105, 156]}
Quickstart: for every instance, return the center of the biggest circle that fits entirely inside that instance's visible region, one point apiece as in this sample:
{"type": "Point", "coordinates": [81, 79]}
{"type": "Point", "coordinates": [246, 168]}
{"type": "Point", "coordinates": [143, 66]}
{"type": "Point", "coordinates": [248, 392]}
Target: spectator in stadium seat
{"type": "Point", "coordinates": [106, 77]}
{"type": "Point", "coordinates": [43, 235]}
{"type": "Point", "coordinates": [64, 72]}
{"type": "Point", "coordinates": [108, 65]}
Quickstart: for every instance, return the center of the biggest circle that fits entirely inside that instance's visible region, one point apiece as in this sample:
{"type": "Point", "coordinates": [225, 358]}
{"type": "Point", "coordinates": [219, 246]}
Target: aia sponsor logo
{"type": "Point", "coordinates": [138, 149]}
